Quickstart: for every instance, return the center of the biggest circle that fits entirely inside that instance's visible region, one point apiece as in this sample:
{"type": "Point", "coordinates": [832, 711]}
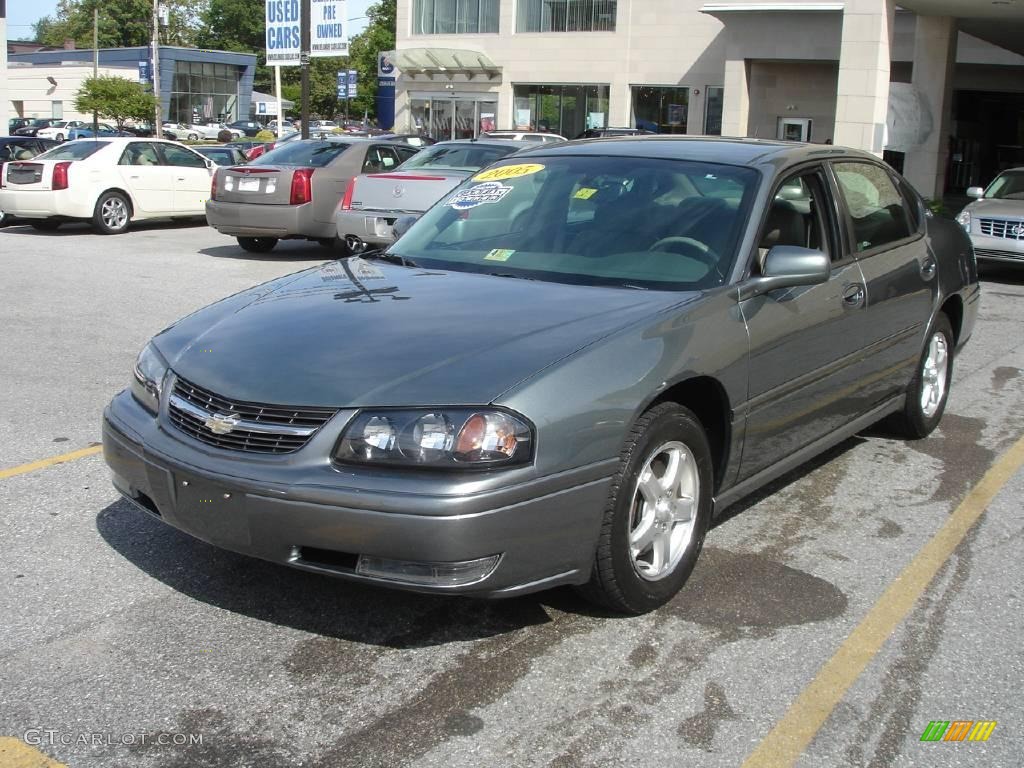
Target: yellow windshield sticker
{"type": "Point", "coordinates": [585, 193]}
{"type": "Point", "coordinates": [499, 254]}
{"type": "Point", "coordinates": [509, 172]}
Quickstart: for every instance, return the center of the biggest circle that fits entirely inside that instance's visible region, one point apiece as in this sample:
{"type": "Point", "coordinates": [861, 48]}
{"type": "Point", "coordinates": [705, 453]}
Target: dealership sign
{"type": "Point", "coordinates": [327, 30]}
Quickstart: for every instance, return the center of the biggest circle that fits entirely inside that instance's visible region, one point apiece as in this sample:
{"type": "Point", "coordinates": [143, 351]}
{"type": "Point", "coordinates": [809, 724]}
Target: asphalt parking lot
{"type": "Point", "coordinates": [831, 618]}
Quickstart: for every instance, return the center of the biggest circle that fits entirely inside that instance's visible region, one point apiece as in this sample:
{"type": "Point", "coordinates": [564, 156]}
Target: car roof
{"type": "Point", "coordinates": [484, 141]}
{"type": "Point", "coordinates": [732, 151]}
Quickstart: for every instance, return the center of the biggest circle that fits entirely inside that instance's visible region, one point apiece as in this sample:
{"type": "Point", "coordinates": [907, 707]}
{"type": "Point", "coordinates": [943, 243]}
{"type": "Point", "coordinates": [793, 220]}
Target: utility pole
{"type": "Point", "coordinates": [95, 64]}
{"type": "Point", "coordinates": [158, 130]}
{"type": "Point", "coordinates": [304, 13]}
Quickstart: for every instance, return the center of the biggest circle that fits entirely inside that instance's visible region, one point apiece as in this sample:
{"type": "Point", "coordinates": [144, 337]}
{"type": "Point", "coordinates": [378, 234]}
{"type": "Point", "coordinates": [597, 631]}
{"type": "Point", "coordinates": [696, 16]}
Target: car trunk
{"type": "Point", "coordinates": [265, 185]}
{"type": "Point", "coordinates": [410, 192]}
{"type": "Point", "coordinates": [27, 175]}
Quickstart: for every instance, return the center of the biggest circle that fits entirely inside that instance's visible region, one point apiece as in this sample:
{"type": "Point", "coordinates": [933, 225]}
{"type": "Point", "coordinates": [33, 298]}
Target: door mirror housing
{"type": "Point", "coordinates": [975, 192]}
{"type": "Point", "coordinates": [787, 266]}
{"type": "Point", "coordinates": [402, 225]}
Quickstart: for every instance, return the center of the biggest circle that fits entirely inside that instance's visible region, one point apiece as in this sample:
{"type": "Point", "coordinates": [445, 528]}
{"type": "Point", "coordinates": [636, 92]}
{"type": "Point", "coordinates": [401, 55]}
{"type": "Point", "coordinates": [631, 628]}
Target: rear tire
{"type": "Point", "coordinates": [336, 245]}
{"type": "Point", "coordinates": [257, 244]}
{"type": "Point", "coordinates": [45, 225]}
{"type": "Point", "coordinates": [112, 215]}
{"type": "Point", "coordinates": [59, 137]}
{"type": "Point", "coordinates": [928, 391]}
{"type": "Point", "coordinates": [657, 515]}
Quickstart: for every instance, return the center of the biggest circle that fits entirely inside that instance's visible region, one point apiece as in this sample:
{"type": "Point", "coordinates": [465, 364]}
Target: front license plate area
{"type": "Point", "coordinates": [211, 511]}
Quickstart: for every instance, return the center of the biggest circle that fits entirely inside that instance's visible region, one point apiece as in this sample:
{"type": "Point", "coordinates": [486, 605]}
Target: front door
{"type": "Point", "coordinates": [805, 342]}
{"type": "Point", "coordinates": [191, 179]}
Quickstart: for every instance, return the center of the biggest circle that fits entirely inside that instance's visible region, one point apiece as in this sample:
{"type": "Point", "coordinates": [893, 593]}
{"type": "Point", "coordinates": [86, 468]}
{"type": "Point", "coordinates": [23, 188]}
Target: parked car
{"type": "Point", "coordinates": [543, 138]}
{"type": "Point", "coordinates": [291, 191]}
{"type": "Point", "coordinates": [15, 123]}
{"type": "Point", "coordinates": [372, 203]}
{"type": "Point", "coordinates": [255, 150]}
{"type": "Point", "coordinates": [500, 404]}
{"type": "Point", "coordinates": [247, 127]}
{"type": "Point", "coordinates": [33, 126]}
{"type": "Point", "coordinates": [110, 182]}
{"type": "Point", "coordinates": [223, 154]}
{"type": "Point", "coordinates": [412, 139]}
{"type": "Point", "coordinates": [105, 132]}
{"type": "Point", "coordinates": [995, 220]}
{"type": "Point", "coordinates": [208, 131]}
{"type": "Point", "coordinates": [599, 133]}
{"type": "Point", "coordinates": [59, 131]}
{"type": "Point", "coordinates": [19, 148]}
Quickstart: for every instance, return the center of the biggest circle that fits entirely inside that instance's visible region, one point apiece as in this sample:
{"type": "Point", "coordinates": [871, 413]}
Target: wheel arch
{"type": "Point", "coordinates": [953, 308]}
{"type": "Point", "coordinates": [122, 191]}
{"type": "Point", "coordinates": [707, 398]}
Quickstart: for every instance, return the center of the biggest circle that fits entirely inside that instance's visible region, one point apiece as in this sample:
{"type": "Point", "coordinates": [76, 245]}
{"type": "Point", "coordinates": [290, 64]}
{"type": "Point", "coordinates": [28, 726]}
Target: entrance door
{"type": "Point", "coordinates": [442, 114]}
{"type": "Point", "coordinates": [794, 128]}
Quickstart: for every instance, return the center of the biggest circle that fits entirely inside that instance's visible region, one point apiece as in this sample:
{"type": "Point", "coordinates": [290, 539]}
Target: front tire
{"type": "Point", "coordinates": [193, 137]}
{"type": "Point", "coordinates": [59, 137]}
{"type": "Point", "coordinates": [257, 244]}
{"type": "Point", "coordinates": [657, 515]}
{"type": "Point", "coordinates": [928, 391]}
{"type": "Point", "coordinates": [112, 214]}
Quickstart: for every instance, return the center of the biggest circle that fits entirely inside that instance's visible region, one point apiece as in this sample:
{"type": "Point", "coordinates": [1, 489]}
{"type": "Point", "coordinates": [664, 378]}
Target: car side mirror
{"type": "Point", "coordinates": [402, 225]}
{"type": "Point", "coordinates": [975, 192]}
{"type": "Point", "coordinates": [787, 266]}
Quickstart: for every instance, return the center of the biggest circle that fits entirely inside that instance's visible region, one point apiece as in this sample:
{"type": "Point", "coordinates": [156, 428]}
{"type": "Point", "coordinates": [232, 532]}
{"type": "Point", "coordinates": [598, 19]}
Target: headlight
{"type": "Point", "coordinates": [149, 373]}
{"type": "Point", "coordinates": [443, 437]}
{"type": "Point", "coordinates": [964, 220]}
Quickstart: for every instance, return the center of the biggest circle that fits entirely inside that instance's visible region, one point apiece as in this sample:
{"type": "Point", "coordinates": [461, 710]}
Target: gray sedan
{"type": "Point", "coordinates": [559, 375]}
{"type": "Point", "coordinates": [995, 220]}
{"type": "Point", "coordinates": [293, 190]}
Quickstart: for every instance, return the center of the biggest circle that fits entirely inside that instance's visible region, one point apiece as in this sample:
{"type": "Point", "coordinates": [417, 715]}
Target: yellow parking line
{"type": "Point", "coordinates": [44, 463]}
{"type": "Point", "coordinates": [14, 753]}
{"type": "Point", "coordinates": [789, 738]}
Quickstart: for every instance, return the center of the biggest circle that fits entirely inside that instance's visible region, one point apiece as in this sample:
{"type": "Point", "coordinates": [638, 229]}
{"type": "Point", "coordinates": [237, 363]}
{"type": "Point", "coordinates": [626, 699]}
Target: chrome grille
{"type": "Point", "coordinates": [993, 253]}
{"type": "Point", "coordinates": [1011, 230]}
{"type": "Point", "coordinates": [242, 426]}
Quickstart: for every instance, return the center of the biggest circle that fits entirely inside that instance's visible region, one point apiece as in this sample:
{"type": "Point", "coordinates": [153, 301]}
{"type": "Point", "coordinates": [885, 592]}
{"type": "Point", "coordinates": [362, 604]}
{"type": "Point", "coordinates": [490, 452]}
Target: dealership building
{"type": "Point", "coordinates": [936, 86]}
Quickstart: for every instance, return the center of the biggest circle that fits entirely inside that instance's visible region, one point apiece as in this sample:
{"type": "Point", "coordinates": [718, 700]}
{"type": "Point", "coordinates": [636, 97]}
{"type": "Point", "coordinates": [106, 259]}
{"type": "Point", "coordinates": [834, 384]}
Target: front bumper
{"type": "Point", "coordinates": [255, 220]}
{"type": "Point", "coordinates": [300, 510]}
{"type": "Point", "coordinates": [373, 227]}
{"type": "Point", "coordinates": [997, 249]}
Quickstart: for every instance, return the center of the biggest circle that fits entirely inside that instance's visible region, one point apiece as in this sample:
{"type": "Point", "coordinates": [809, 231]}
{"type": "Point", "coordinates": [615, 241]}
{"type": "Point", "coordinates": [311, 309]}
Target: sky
{"type": "Point", "coordinates": [21, 14]}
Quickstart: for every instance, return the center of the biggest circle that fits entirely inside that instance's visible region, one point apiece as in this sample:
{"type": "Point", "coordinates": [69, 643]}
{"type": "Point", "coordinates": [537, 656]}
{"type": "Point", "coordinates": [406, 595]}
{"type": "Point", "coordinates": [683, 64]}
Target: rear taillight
{"type": "Point", "coordinates": [60, 175]}
{"type": "Point", "coordinates": [346, 201]}
{"type": "Point", "coordinates": [213, 186]}
{"type": "Point", "coordinates": [302, 187]}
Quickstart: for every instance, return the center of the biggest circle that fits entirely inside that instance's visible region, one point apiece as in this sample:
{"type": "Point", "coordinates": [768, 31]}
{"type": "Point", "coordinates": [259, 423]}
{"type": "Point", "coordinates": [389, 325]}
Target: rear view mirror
{"type": "Point", "coordinates": [976, 192]}
{"type": "Point", "coordinates": [402, 225]}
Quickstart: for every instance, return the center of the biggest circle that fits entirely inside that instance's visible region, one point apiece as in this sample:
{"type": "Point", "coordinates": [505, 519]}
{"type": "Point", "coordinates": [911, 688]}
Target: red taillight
{"type": "Point", "coordinates": [213, 186]}
{"type": "Point", "coordinates": [346, 201]}
{"type": "Point", "coordinates": [60, 175]}
{"type": "Point", "coordinates": [302, 187]}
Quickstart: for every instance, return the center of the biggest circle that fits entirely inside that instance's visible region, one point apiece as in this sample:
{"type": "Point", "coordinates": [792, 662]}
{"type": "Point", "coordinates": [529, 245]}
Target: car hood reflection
{"type": "Point", "coordinates": [359, 333]}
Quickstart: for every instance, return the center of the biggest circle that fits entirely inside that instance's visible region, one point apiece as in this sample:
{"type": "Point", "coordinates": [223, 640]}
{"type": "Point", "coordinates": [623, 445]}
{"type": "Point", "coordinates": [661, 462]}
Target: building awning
{"type": "Point", "coordinates": [445, 62]}
{"type": "Point", "coordinates": [266, 98]}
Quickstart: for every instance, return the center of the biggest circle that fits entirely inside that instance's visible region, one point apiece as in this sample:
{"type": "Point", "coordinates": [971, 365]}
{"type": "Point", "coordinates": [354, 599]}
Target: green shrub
{"type": "Point", "coordinates": [265, 135]}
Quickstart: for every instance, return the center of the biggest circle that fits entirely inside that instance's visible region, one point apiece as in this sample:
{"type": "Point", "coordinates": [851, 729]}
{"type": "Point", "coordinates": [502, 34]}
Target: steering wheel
{"type": "Point", "coordinates": [691, 248]}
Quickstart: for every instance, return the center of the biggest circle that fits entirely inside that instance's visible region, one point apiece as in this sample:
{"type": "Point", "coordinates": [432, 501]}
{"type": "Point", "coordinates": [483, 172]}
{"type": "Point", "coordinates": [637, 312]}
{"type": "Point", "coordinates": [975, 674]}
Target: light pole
{"type": "Point", "coordinates": [158, 130]}
{"type": "Point", "coordinates": [304, 12]}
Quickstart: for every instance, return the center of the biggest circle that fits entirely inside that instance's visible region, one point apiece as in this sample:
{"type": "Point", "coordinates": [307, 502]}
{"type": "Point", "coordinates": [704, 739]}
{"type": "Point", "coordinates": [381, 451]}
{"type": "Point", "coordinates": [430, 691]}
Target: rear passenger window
{"type": "Point", "coordinates": [877, 210]}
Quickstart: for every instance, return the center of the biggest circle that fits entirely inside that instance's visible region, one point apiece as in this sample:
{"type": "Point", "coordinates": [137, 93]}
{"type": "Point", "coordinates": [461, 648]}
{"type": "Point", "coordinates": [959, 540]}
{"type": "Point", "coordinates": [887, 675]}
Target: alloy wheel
{"type": "Point", "coordinates": [934, 374]}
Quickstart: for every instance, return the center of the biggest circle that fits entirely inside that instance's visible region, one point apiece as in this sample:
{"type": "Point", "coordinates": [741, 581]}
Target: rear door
{"type": "Point", "coordinates": [885, 233]}
{"type": "Point", "coordinates": [146, 177]}
{"type": "Point", "coordinates": [190, 177]}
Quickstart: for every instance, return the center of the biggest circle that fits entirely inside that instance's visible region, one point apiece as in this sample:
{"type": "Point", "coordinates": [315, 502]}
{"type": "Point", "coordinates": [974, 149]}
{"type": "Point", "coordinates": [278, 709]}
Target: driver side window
{"type": "Point", "coordinates": [795, 216]}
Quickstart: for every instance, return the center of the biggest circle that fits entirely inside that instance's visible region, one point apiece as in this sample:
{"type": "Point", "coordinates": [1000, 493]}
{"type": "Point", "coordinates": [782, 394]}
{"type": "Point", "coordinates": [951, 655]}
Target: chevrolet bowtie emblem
{"type": "Point", "coordinates": [222, 423]}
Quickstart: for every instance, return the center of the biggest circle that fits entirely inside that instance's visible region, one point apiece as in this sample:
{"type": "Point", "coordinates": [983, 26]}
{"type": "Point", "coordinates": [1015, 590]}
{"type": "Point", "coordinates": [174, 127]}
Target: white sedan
{"type": "Point", "coordinates": [59, 131]}
{"type": "Point", "coordinates": [109, 182]}
{"type": "Point", "coordinates": [197, 131]}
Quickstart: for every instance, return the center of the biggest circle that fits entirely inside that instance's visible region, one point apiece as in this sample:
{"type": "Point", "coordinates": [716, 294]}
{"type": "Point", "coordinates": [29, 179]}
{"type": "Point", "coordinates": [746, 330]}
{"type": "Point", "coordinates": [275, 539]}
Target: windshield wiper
{"type": "Point", "coordinates": [391, 258]}
{"type": "Point", "coordinates": [509, 274]}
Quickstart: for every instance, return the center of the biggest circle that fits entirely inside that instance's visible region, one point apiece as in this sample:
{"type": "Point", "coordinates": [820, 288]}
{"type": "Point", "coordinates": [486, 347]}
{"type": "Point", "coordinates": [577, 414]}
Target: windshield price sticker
{"type": "Point", "coordinates": [585, 193]}
{"type": "Point", "coordinates": [488, 192]}
{"type": "Point", "coordinates": [499, 254]}
{"type": "Point", "coordinates": [509, 172]}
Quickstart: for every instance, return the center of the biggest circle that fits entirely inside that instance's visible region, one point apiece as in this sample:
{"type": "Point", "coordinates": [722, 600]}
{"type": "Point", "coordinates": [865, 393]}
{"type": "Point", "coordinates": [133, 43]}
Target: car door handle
{"type": "Point", "coordinates": [853, 295]}
{"type": "Point", "coordinates": [928, 268]}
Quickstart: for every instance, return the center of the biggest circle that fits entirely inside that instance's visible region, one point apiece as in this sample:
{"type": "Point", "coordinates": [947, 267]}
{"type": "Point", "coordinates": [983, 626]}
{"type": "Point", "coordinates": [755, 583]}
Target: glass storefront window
{"type": "Point", "coordinates": [567, 110]}
{"type": "Point", "coordinates": [447, 17]}
{"type": "Point", "coordinates": [204, 91]}
{"type": "Point", "coordinates": [566, 15]}
{"type": "Point", "coordinates": [661, 108]}
{"type": "Point", "coordinates": [713, 95]}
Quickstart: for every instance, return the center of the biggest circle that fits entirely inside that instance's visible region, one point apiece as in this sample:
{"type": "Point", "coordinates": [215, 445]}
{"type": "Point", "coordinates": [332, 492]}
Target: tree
{"type": "Point", "coordinates": [122, 23]}
{"type": "Point", "coordinates": [115, 98]}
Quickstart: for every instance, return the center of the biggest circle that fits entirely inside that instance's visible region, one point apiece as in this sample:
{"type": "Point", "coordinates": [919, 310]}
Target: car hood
{"type": "Point", "coordinates": [992, 207]}
{"type": "Point", "coordinates": [367, 333]}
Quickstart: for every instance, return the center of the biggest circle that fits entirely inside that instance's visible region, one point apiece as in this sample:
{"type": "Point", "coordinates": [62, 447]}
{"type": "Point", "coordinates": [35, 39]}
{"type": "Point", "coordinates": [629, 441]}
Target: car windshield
{"type": "Point", "coordinates": [621, 221]}
{"type": "Point", "coordinates": [1007, 186]}
{"type": "Point", "coordinates": [465, 156]}
{"type": "Point", "coordinates": [40, 122]}
{"type": "Point", "coordinates": [72, 150]}
{"type": "Point", "coordinates": [314, 154]}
